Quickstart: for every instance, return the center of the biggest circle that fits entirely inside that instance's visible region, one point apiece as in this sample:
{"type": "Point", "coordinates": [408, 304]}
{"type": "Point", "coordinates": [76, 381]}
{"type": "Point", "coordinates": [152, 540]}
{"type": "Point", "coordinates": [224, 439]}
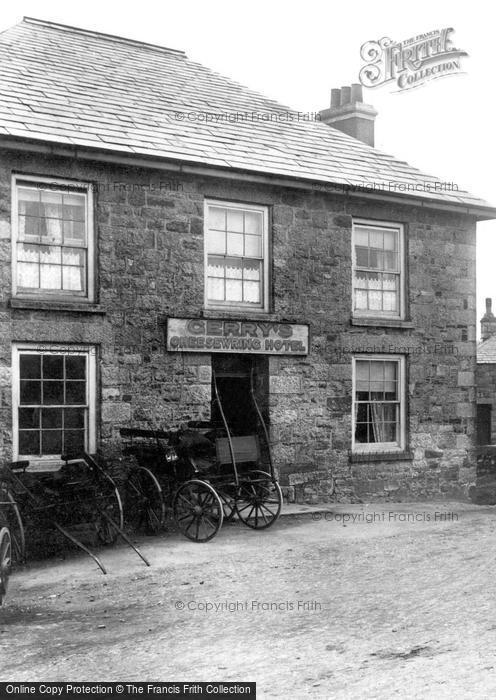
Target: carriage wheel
{"type": "Point", "coordinates": [109, 504]}
{"type": "Point", "coordinates": [5, 561]}
{"type": "Point", "coordinates": [15, 525]}
{"type": "Point", "coordinates": [198, 511]}
{"type": "Point", "coordinates": [143, 501]}
{"type": "Point", "coordinates": [259, 500]}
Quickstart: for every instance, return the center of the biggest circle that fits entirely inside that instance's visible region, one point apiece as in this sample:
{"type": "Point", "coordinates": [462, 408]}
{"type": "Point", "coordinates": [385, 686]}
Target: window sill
{"type": "Point", "coordinates": [56, 305]}
{"type": "Point", "coordinates": [241, 313]}
{"type": "Point", "coordinates": [361, 457]}
{"type": "Point", "coordinates": [380, 322]}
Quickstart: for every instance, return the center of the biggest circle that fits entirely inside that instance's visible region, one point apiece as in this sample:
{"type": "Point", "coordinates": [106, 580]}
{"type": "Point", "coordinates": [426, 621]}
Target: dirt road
{"type": "Point", "coordinates": [395, 602]}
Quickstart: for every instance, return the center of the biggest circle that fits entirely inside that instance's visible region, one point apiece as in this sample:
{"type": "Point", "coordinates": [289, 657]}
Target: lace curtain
{"type": "Point", "coordinates": [376, 294]}
{"type": "Point", "coordinates": [48, 264]}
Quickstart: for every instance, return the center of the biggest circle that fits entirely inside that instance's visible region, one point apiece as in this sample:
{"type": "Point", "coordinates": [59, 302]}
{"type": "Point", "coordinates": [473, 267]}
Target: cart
{"type": "Point", "coordinates": [162, 481]}
{"type": "Point", "coordinates": [203, 474]}
{"type": "Point", "coordinates": [5, 551]}
{"type": "Point", "coordinates": [77, 499]}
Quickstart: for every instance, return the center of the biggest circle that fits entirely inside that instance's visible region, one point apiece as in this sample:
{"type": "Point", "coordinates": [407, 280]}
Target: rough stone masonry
{"type": "Point", "coordinates": [150, 266]}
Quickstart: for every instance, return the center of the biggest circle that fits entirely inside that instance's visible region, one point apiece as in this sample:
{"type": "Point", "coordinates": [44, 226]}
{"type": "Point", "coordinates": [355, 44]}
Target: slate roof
{"type": "Point", "coordinates": [74, 87]}
{"type": "Point", "coordinates": [486, 351]}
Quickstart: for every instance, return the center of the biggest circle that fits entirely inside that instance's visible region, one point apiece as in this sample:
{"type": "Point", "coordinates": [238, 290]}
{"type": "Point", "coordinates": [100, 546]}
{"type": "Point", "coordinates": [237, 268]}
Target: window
{"type": "Point", "coordinates": [236, 255]}
{"type": "Point", "coordinates": [54, 401]}
{"type": "Point", "coordinates": [378, 403]}
{"type": "Point", "coordinates": [378, 277]}
{"type": "Point", "coordinates": [53, 238]}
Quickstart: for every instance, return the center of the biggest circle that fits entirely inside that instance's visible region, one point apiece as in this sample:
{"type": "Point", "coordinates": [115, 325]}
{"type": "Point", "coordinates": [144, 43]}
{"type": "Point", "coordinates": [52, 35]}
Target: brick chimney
{"type": "Point", "coordinates": [350, 114]}
{"type": "Point", "coordinates": [488, 322]}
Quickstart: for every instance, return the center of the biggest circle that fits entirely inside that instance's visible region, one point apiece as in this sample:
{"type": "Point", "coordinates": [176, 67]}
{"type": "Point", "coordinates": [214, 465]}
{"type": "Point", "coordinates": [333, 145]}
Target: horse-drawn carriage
{"type": "Point", "coordinates": [203, 475]}
{"type": "Point", "coordinates": [78, 499]}
{"type": "Point", "coordinates": [5, 552]}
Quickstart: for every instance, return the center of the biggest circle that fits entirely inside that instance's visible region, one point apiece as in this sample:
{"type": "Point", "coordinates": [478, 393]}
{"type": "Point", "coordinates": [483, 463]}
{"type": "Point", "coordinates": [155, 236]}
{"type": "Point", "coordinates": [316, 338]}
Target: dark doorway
{"type": "Point", "coordinates": [232, 374]}
{"type": "Point", "coordinates": [484, 424]}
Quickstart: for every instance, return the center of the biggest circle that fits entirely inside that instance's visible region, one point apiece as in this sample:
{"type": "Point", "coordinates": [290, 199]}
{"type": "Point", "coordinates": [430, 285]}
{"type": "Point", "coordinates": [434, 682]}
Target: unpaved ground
{"type": "Point", "coordinates": [382, 609]}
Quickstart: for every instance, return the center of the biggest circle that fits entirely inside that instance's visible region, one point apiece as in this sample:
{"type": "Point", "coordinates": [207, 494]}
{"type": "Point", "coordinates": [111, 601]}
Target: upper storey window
{"type": "Point", "coordinates": [53, 239]}
{"type": "Point", "coordinates": [236, 253]}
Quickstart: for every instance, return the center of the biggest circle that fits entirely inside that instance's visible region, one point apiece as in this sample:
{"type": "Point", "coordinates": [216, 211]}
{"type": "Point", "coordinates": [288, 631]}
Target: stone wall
{"type": "Point", "coordinates": [150, 266]}
{"type": "Point", "coordinates": [486, 391]}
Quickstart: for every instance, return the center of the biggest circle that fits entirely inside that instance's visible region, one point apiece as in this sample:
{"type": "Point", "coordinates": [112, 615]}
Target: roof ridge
{"type": "Point", "coordinates": [100, 35]}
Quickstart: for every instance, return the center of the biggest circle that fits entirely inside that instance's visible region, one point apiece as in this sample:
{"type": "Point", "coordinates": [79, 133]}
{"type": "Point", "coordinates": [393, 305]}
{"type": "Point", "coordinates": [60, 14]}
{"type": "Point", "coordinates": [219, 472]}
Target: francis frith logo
{"type": "Point", "coordinates": [412, 62]}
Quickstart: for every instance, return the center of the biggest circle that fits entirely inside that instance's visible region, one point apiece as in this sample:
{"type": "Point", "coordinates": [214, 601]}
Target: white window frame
{"type": "Point", "coordinates": [372, 223]}
{"type": "Point", "coordinates": [263, 307]}
{"type": "Point", "coordinates": [367, 448]}
{"type": "Point", "coordinates": [20, 180]}
{"type": "Point", "coordinates": [54, 349]}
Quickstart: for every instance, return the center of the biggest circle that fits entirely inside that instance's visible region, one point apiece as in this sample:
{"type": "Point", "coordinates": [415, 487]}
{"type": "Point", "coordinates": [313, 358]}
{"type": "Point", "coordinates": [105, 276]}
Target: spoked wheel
{"type": "Point", "coordinates": [143, 501]}
{"type": "Point", "coordinates": [259, 500]}
{"type": "Point", "coordinates": [198, 510]}
{"type": "Point", "coordinates": [109, 514]}
{"type": "Point", "coordinates": [14, 523]}
{"type": "Point", "coordinates": [5, 561]}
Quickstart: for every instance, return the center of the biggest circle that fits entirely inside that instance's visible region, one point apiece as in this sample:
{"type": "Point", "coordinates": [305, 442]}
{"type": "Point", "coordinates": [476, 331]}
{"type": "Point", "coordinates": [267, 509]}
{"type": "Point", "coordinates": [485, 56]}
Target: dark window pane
{"type": "Point", "coordinates": [74, 440]}
{"type": "Point", "coordinates": [51, 442]}
{"type": "Point", "coordinates": [29, 227]}
{"type": "Point", "coordinates": [30, 392]}
{"type": "Point", "coordinates": [29, 442]}
{"type": "Point", "coordinates": [29, 418]}
{"type": "Point", "coordinates": [75, 392]}
{"type": "Point", "coordinates": [53, 367]}
{"type": "Point", "coordinates": [51, 418]}
{"type": "Point", "coordinates": [53, 393]}
{"type": "Point", "coordinates": [362, 256]}
{"type": "Point", "coordinates": [74, 206]}
{"type": "Point", "coordinates": [74, 418]}
{"type": "Point", "coordinates": [75, 367]}
{"type": "Point", "coordinates": [30, 366]}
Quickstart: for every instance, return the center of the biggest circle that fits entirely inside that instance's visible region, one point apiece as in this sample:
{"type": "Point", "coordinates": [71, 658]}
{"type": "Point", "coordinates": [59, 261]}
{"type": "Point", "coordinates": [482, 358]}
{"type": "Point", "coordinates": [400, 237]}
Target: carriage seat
{"type": "Point", "coordinates": [246, 449]}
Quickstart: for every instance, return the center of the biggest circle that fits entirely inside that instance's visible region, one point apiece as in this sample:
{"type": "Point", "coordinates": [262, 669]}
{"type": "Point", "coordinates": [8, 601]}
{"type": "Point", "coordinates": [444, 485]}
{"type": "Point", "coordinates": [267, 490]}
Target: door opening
{"type": "Point", "coordinates": [483, 424]}
{"type": "Point", "coordinates": [232, 374]}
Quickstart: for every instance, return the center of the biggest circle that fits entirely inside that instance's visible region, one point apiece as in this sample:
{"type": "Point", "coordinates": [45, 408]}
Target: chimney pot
{"type": "Point", "coordinates": [349, 114]}
{"type": "Point", "coordinates": [488, 321]}
{"type": "Point", "coordinates": [356, 92]}
{"type": "Point", "coordinates": [345, 95]}
{"type": "Point", "coordinates": [335, 98]}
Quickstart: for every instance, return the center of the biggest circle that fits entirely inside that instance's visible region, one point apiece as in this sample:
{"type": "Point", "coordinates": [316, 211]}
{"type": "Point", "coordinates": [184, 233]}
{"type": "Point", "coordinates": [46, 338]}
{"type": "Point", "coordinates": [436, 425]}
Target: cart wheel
{"type": "Point", "coordinates": [5, 561]}
{"type": "Point", "coordinates": [198, 510]}
{"type": "Point", "coordinates": [15, 526]}
{"type": "Point", "coordinates": [110, 516]}
{"type": "Point", "coordinates": [143, 501]}
{"type": "Point", "coordinates": [259, 500]}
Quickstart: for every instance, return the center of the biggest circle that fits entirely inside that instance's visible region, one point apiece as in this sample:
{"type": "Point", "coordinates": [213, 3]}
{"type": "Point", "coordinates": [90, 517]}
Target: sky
{"type": "Point", "coordinates": [296, 52]}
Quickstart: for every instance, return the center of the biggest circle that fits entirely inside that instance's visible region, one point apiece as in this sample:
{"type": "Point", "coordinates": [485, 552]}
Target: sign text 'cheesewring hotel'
{"type": "Point", "coordinates": [222, 335]}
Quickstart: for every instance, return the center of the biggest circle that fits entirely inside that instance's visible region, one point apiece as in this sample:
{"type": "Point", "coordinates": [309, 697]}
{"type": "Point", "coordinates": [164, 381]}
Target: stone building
{"type": "Point", "coordinates": [486, 379]}
{"type": "Point", "coordinates": [159, 221]}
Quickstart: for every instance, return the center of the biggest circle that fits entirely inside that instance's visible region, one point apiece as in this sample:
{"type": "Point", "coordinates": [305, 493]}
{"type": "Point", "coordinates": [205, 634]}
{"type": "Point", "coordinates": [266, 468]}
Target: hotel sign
{"type": "Point", "coordinates": [248, 337]}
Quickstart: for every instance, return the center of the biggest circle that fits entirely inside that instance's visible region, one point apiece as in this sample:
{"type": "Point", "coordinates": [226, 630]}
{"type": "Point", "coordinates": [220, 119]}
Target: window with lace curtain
{"type": "Point", "coordinates": [378, 403]}
{"type": "Point", "coordinates": [236, 253]}
{"type": "Point", "coordinates": [378, 270]}
{"type": "Point", "coordinates": [53, 246]}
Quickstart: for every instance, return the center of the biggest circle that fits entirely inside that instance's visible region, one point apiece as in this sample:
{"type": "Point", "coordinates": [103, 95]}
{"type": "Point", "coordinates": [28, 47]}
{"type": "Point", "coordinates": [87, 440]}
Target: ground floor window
{"type": "Point", "coordinates": [378, 403]}
{"type": "Point", "coordinates": [54, 401]}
